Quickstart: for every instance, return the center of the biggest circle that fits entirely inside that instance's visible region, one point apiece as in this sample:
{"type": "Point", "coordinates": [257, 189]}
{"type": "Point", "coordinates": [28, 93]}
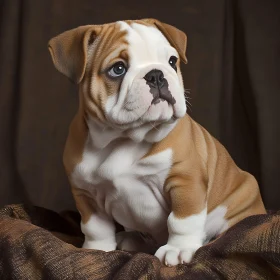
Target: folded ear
{"type": "Point", "coordinates": [69, 51]}
{"type": "Point", "coordinates": [176, 37]}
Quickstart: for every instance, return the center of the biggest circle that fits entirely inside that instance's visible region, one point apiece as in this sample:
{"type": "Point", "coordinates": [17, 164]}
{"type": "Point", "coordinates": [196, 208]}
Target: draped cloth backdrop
{"type": "Point", "coordinates": [233, 75]}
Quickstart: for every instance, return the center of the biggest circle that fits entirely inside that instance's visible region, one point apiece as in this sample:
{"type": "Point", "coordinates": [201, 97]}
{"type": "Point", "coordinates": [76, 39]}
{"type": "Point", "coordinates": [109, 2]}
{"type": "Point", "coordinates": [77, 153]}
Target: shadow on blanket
{"type": "Point", "coordinates": [36, 243]}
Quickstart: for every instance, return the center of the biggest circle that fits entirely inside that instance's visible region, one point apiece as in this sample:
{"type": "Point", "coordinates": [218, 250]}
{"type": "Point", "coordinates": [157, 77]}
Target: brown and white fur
{"type": "Point", "coordinates": [147, 166]}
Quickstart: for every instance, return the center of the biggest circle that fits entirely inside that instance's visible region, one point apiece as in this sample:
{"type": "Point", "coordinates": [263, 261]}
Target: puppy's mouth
{"type": "Point", "coordinates": [159, 87]}
{"type": "Point", "coordinates": [162, 94]}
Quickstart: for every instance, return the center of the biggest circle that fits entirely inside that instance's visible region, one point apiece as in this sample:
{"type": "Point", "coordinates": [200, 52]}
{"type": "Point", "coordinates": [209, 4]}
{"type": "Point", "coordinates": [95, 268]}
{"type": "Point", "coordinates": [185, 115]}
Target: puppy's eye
{"type": "Point", "coordinates": [172, 61]}
{"type": "Point", "coordinates": [117, 70]}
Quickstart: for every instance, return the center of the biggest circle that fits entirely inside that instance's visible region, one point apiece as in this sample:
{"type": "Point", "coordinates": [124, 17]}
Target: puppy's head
{"type": "Point", "coordinates": [128, 71]}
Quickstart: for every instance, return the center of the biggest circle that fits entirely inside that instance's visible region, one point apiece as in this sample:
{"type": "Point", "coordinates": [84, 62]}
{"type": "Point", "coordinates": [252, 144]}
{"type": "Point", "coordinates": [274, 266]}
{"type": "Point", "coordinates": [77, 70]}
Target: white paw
{"type": "Point", "coordinates": [104, 245]}
{"type": "Point", "coordinates": [172, 255]}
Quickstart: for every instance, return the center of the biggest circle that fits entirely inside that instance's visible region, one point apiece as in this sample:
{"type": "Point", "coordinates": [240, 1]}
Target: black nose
{"type": "Point", "coordinates": [154, 78]}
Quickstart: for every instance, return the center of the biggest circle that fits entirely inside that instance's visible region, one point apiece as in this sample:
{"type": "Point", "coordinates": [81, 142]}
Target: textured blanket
{"type": "Point", "coordinates": [36, 243]}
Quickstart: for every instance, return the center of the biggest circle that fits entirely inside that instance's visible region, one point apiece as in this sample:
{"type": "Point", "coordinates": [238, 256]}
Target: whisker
{"type": "Point", "coordinates": [153, 125]}
{"type": "Point", "coordinates": [190, 108]}
{"type": "Point", "coordinates": [187, 92]}
{"type": "Point", "coordinates": [188, 102]}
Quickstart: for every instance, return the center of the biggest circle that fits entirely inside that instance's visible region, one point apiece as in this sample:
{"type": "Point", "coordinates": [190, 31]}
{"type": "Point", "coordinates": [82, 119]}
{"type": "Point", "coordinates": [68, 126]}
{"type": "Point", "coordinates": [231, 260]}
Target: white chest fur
{"type": "Point", "coordinates": [125, 185]}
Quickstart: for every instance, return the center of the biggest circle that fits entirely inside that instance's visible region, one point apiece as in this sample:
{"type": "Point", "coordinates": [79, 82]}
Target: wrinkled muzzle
{"type": "Point", "coordinates": [148, 94]}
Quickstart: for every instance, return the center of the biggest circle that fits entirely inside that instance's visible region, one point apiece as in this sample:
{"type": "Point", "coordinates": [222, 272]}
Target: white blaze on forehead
{"type": "Point", "coordinates": [146, 44]}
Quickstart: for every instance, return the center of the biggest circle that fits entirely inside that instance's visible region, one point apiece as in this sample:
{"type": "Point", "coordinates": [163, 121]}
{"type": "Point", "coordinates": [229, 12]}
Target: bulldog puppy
{"type": "Point", "coordinates": [133, 156]}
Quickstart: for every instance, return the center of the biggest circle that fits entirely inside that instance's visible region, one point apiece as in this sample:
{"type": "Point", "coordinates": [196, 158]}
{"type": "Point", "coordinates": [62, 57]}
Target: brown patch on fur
{"type": "Point", "coordinates": [73, 153]}
{"type": "Point", "coordinates": [228, 185]}
{"type": "Point", "coordinates": [186, 184]}
{"type": "Point", "coordinates": [203, 170]}
{"type": "Point", "coordinates": [76, 140]}
{"type": "Point", "coordinates": [124, 55]}
{"type": "Point", "coordinates": [84, 203]}
{"type": "Point", "coordinates": [99, 85]}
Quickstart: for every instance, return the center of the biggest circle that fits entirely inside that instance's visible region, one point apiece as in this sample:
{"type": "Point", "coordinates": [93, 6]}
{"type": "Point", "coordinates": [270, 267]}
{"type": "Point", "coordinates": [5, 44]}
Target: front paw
{"type": "Point", "coordinates": [103, 245]}
{"type": "Point", "coordinates": [173, 255]}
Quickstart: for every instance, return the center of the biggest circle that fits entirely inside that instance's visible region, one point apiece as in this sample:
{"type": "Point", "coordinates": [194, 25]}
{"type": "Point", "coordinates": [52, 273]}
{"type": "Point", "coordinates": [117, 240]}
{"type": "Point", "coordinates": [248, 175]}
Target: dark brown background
{"type": "Point", "coordinates": [233, 74]}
